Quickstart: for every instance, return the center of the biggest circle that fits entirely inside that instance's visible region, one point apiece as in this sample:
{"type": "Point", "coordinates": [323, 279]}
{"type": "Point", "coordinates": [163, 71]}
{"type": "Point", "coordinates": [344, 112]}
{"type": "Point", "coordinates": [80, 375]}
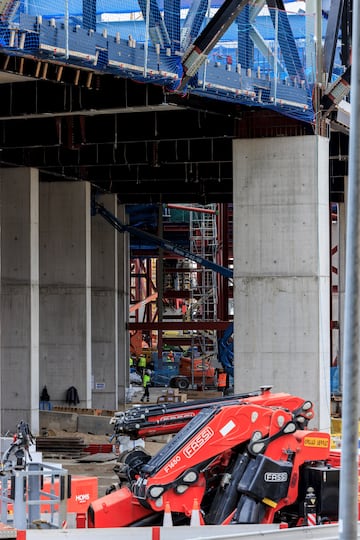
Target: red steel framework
{"type": "Point", "coordinates": [145, 326]}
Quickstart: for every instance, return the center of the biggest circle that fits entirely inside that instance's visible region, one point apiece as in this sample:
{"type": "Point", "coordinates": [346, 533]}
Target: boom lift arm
{"type": "Point", "coordinates": [167, 418]}
{"type": "Point", "coordinates": [159, 242]}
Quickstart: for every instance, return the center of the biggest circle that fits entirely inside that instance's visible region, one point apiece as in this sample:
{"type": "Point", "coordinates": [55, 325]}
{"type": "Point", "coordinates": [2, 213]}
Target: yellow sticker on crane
{"type": "Point", "coordinates": [316, 442]}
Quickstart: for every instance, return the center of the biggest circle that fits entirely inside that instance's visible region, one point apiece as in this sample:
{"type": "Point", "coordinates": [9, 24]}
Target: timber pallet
{"type": "Point", "coordinates": [69, 446]}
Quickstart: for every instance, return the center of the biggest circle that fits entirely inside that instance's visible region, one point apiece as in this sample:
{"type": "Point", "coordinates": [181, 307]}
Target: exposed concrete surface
{"type": "Point", "coordinates": [99, 425]}
{"type": "Point", "coordinates": [72, 422]}
{"type": "Point", "coordinates": [281, 268]}
{"type": "Point", "coordinates": [57, 421]}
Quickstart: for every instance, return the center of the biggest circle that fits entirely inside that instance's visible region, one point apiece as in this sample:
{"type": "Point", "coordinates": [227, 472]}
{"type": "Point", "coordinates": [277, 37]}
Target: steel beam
{"type": "Point", "coordinates": [197, 53]}
{"type": "Point", "coordinates": [331, 36]}
{"type": "Point", "coordinates": [167, 325]}
{"type": "Point", "coordinates": [286, 39]}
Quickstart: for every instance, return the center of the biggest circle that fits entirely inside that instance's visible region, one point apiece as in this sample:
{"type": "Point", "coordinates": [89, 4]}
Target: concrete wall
{"type": "Point", "coordinates": [281, 268]}
{"type": "Point", "coordinates": [19, 365]}
{"type": "Point", "coordinates": [72, 422]}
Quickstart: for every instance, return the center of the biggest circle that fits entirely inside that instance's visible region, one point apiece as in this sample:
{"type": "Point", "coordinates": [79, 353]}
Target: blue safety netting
{"type": "Point", "coordinates": [265, 58]}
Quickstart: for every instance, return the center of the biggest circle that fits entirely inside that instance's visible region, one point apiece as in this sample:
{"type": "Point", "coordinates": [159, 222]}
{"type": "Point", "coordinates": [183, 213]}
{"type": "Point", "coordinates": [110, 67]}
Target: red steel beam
{"type": "Point", "coordinates": [167, 325]}
{"type": "Point", "coordinates": [192, 208]}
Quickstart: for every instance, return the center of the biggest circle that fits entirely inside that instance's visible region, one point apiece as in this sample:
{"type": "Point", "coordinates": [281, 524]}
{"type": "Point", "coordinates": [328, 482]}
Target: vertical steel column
{"type": "Point", "coordinates": [66, 25]}
{"type": "Point", "coordinates": [223, 259]}
{"type": "Point", "coordinates": [146, 44]}
{"type": "Point", "coordinates": [34, 492]}
{"type": "Point", "coordinates": [4, 493]}
{"type": "Point", "coordinates": [331, 37]}
{"type": "Point", "coordinates": [19, 502]}
{"type": "Point", "coordinates": [348, 511]}
{"type": "Point", "coordinates": [160, 281]}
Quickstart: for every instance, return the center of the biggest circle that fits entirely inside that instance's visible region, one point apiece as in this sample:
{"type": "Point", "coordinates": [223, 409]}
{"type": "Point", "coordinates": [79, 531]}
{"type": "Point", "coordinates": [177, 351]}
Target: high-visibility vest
{"type": "Point", "coordinates": [131, 361]}
{"type": "Point", "coordinates": [146, 380]}
{"type": "Point", "coordinates": [221, 382]}
{"type": "Point", "coordinates": [142, 361]}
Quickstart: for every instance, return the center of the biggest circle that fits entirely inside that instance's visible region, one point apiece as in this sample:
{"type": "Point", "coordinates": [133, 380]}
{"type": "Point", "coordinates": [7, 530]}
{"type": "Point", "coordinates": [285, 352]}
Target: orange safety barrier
{"type": "Point", "coordinates": [84, 490]}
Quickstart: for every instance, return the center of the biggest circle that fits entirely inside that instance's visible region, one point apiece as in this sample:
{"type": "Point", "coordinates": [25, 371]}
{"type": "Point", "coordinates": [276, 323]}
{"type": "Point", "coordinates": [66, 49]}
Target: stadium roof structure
{"type": "Point", "coordinates": [153, 92]}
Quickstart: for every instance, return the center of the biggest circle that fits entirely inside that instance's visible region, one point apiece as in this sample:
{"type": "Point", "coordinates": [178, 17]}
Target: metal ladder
{"type": "Point", "coordinates": [203, 306]}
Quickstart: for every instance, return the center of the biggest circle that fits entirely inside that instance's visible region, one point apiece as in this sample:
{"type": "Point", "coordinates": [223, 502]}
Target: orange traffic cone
{"type": "Point", "coordinates": [167, 521]}
{"type": "Point", "coordinates": [195, 520]}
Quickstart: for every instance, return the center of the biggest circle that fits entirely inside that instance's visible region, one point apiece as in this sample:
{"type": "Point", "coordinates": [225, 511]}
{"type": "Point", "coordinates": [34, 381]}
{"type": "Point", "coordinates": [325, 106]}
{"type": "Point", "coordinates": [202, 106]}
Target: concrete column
{"type": "Point", "coordinates": [19, 362]}
{"type": "Point", "coordinates": [104, 255]}
{"type": "Point", "coordinates": [281, 268]}
{"type": "Point", "coordinates": [123, 307]}
{"type": "Point", "coordinates": [65, 290]}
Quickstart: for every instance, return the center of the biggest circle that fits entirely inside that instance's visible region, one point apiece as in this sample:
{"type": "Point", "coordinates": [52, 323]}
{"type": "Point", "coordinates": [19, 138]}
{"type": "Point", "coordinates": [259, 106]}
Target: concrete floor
{"type": "Point", "coordinates": [103, 471]}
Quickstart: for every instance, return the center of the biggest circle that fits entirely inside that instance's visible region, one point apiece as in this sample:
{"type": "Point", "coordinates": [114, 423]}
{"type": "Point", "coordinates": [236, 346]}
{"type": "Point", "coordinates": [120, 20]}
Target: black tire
{"type": "Point", "coordinates": [182, 384]}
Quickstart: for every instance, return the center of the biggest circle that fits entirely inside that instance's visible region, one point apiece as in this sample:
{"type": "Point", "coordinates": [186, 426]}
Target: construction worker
{"type": "Point", "coordinates": [142, 363]}
{"type": "Point", "coordinates": [170, 357]}
{"type": "Point", "coordinates": [146, 383]}
{"type": "Point", "coordinates": [221, 381]}
{"type": "Point", "coordinates": [132, 363]}
{"type": "Point", "coordinates": [184, 311]}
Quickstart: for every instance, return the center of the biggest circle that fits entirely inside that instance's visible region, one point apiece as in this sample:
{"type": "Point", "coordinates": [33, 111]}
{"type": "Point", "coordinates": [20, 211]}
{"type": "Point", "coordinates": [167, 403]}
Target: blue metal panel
{"type": "Point", "coordinates": [245, 44]}
{"type": "Point", "coordinates": [172, 22]}
{"type": "Point", "coordinates": [286, 39]}
{"type": "Point", "coordinates": [130, 60]}
{"type": "Point", "coordinates": [294, 99]}
{"type": "Point", "coordinates": [81, 43]}
{"type": "Point", "coordinates": [89, 14]}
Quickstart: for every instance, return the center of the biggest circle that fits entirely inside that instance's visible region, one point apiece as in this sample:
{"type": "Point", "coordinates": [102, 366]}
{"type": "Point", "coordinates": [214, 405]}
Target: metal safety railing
{"type": "Point", "coordinates": [265, 58]}
{"type": "Point", "coordinates": [34, 497]}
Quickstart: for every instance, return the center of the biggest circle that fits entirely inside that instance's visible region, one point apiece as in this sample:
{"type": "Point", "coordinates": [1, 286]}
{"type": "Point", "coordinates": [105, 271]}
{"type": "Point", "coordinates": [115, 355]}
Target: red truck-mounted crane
{"type": "Point", "coordinates": [245, 459]}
